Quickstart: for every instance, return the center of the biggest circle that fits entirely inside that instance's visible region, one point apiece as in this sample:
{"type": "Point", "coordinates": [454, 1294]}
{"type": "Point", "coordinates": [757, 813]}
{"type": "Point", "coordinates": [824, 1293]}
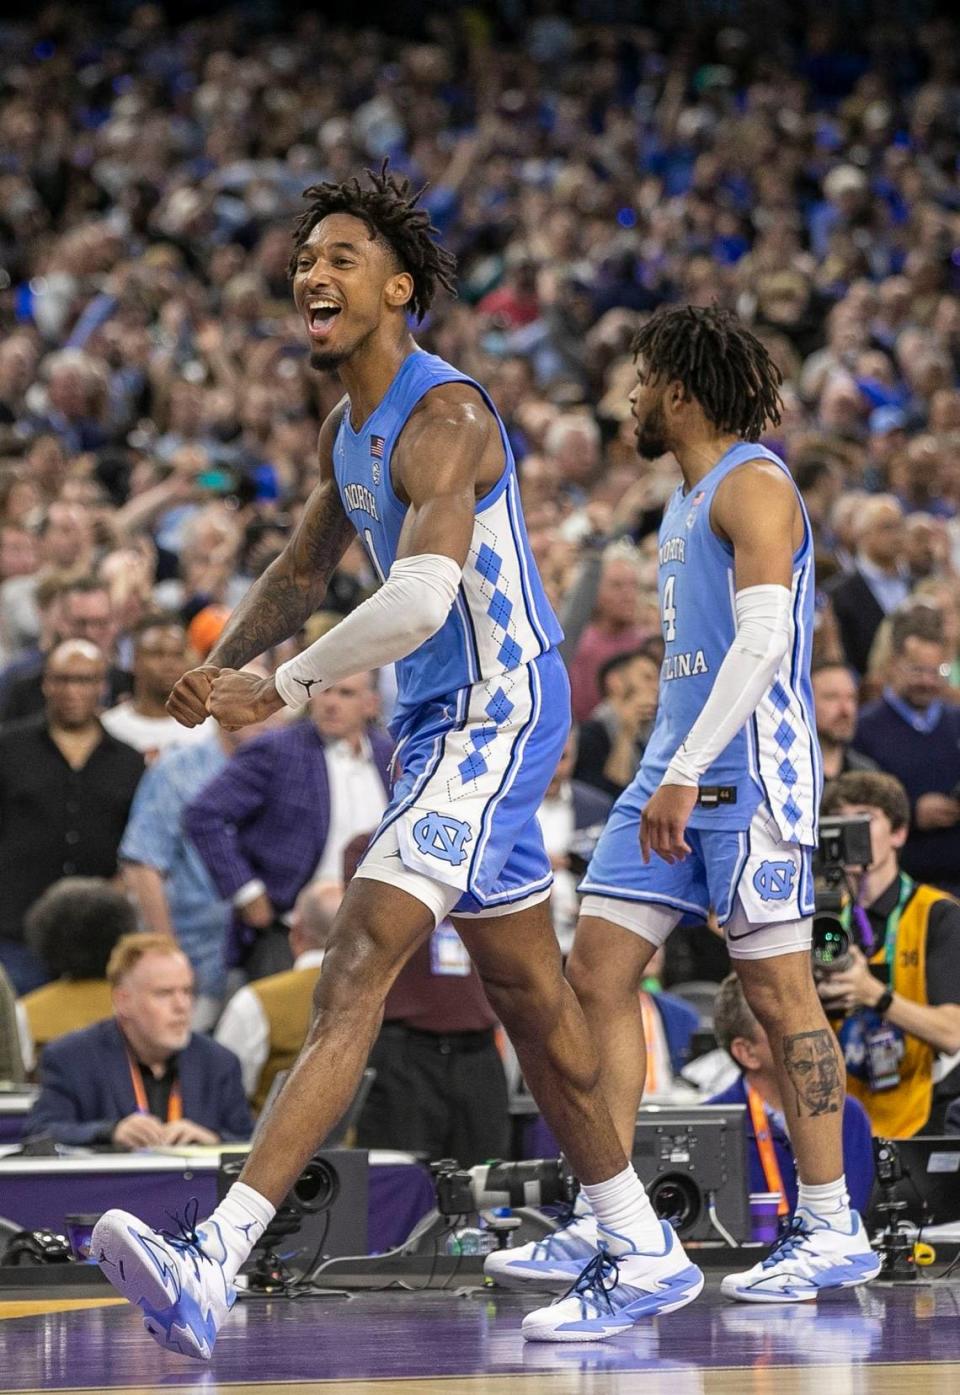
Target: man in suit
{"type": "Point", "coordinates": [879, 583]}
{"type": "Point", "coordinates": [141, 1079]}
{"type": "Point", "coordinates": [282, 811]}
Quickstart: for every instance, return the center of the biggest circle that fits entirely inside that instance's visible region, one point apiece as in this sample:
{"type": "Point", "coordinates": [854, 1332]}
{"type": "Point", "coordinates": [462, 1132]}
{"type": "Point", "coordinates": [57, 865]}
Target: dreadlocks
{"type": "Point", "coordinates": [719, 362]}
{"type": "Point", "coordinates": [388, 206]}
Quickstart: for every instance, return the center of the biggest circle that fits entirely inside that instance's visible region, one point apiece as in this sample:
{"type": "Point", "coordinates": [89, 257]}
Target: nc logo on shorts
{"type": "Point", "coordinates": [774, 880]}
{"type": "Point", "coordinates": [440, 836]}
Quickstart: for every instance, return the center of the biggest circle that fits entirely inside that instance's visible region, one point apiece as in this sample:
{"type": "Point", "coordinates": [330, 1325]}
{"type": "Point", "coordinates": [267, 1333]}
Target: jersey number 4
{"type": "Point", "coordinates": [668, 613]}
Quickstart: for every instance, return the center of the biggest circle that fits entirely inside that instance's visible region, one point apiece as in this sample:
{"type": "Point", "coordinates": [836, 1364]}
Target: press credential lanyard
{"type": "Point", "coordinates": [765, 1145]}
{"type": "Point", "coordinates": [174, 1104]}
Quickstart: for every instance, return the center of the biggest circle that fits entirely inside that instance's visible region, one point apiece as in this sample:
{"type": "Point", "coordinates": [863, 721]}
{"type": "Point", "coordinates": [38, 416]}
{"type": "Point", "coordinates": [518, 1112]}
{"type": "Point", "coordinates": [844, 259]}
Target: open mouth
{"type": "Point", "coordinates": [321, 317]}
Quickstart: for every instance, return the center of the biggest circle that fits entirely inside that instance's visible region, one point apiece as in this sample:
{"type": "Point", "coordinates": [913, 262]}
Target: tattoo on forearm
{"type": "Point", "coordinates": [272, 610]}
{"type": "Point", "coordinates": [813, 1068]}
{"type": "Point", "coordinates": [288, 592]}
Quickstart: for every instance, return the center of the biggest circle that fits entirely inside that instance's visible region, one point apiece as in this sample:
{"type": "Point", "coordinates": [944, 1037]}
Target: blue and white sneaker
{"type": "Point", "coordinates": [553, 1262]}
{"type": "Point", "coordinates": [614, 1292]}
{"type": "Point", "coordinates": [809, 1258]}
{"type": "Point", "coordinates": [178, 1281]}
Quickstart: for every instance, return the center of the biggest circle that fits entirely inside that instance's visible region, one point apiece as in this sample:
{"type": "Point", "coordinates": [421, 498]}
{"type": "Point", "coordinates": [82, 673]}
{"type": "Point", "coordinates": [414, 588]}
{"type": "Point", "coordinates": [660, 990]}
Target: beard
{"type": "Point", "coordinates": [328, 360]}
{"type": "Point", "coordinates": [652, 434]}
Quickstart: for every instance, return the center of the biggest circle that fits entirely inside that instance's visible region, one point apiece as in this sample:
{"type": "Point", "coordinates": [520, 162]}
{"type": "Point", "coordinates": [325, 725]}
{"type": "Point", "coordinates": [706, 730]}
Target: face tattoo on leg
{"type": "Point", "coordinates": [811, 1062]}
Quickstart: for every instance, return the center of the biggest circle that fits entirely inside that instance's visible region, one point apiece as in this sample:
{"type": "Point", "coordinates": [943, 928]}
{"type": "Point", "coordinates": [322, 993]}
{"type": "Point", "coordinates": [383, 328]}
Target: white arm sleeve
{"type": "Point", "coordinates": [411, 605]}
{"type": "Point", "coordinates": [761, 641]}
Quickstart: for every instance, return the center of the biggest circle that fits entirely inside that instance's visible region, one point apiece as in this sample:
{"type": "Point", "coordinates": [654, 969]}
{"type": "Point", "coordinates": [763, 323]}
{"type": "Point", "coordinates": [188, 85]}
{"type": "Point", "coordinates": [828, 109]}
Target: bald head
{"type": "Point", "coordinates": [73, 683]}
{"type": "Point", "coordinates": [880, 534]}
{"type": "Point", "coordinates": [69, 648]}
{"type": "Point", "coordinates": [313, 915]}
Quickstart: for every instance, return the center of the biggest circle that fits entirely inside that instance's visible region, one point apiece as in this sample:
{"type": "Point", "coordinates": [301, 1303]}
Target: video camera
{"type": "Point", "coordinates": [844, 843]}
{"type": "Point", "coordinates": [538, 1182]}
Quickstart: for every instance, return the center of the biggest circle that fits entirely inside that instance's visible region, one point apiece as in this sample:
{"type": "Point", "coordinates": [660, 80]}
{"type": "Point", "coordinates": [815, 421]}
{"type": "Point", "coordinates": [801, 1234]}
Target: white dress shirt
{"type": "Point", "coordinates": [357, 802]}
{"type": "Point", "coordinates": [890, 590]}
{"type": "Point", "coordinates": [244, 1029]}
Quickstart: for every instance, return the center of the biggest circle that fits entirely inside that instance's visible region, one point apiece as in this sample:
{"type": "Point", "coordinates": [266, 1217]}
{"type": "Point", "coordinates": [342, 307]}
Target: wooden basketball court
{"type": "Point", "coordinates": [880, 1340]}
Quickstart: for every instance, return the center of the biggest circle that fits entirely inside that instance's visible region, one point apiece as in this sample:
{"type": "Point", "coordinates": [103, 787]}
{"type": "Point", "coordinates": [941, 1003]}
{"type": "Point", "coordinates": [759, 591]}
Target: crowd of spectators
{"type": "Point", "coordinates": [158, 416]}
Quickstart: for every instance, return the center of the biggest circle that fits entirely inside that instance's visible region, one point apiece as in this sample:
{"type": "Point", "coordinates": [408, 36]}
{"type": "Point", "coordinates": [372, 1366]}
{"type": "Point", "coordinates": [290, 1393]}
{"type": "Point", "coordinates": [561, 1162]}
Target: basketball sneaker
{"type": "Point", "coordinates": [554, 1261]}
{"type": "Point", "coordinates": [615, 1291]}
{"type": "Point", "coordinates": [178, 1280]}
{"type": "Point", "coordinates": [810, 1257]}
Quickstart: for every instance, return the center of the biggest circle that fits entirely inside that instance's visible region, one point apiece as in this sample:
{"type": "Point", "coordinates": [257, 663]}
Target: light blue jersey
{"type": "Point", "coordinates": [501, 619]}
{"type": "Point", "coordinates": [757, 846]}
{"type": "Point", "coordinates": [775, 757]}
{"type": "Point", "coordinates": [483, 706]}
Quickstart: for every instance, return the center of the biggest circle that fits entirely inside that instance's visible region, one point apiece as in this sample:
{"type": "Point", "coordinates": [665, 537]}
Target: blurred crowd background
{"type": "Point", "coordinates": [158, 416]}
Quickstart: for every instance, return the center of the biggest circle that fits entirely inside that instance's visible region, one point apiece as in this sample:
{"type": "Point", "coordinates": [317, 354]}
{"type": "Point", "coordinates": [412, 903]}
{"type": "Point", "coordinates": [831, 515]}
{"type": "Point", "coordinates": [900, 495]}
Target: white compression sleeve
{"type": "Point", "coordinates": [411, 605]}
{"type": "Point", "coordinates": [761, 641]}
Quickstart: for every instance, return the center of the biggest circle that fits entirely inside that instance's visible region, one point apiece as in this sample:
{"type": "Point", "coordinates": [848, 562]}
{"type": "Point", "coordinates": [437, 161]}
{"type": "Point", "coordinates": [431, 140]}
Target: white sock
{"type": "Point", "coordinates": [581, 1206]}
{"type": "Point", "coordinates": [243, 1215]}
{"type": "Point", "coordinates": [623, 1208]}
{"type": "Point", "coordinates": [829, 1202]}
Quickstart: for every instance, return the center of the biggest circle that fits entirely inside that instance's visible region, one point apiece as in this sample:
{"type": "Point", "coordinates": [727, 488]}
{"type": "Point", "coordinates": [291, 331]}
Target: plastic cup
{"type": "Point", "coordinates": [764, 1217]}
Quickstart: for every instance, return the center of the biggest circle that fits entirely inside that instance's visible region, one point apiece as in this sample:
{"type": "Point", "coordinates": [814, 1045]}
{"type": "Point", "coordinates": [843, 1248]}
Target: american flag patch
{"type": "Point", "coordinates": [376, 447]}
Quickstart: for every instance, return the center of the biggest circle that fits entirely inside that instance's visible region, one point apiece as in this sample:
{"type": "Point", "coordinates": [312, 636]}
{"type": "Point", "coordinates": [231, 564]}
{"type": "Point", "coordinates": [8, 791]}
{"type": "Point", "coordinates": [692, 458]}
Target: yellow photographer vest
{"type": "Point", "coordinates": [900, 1112]}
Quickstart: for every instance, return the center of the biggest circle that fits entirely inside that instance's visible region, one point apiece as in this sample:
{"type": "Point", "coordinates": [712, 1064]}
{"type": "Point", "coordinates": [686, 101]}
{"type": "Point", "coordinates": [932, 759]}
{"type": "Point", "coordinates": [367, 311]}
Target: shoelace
{"type": "Point", "coordinates": [592, 1282]}
{"type": "Point", "coordinates": [789, 1243]}
{"type": "Point", "coordinates": [186, 1239]}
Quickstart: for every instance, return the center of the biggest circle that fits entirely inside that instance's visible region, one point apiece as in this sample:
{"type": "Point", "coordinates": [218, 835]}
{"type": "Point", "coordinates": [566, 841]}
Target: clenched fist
{"type": "Point", "coordinates": [188, 700]}
{"type": "Point", "coordinates": [239, 699]}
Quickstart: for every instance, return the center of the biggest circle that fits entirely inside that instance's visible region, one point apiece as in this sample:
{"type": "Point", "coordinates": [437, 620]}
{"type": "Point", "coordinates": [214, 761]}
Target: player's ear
{"type": "Point", "coordinates": [399, 289]}
{"type": "Point", "coordinates": [677, 395]}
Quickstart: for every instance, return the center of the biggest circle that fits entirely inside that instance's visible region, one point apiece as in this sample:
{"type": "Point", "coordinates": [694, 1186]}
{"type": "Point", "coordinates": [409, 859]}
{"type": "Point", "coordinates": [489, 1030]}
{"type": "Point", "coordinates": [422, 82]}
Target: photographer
{"type": "Point", "coordinates": [896, 1007]}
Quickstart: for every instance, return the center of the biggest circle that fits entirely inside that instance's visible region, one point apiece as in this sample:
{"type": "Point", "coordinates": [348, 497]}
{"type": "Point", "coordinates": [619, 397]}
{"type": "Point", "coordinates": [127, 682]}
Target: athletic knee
{"type": "Point", "coordinates": [773, 995]}
{"type": "Point", "coordinates": [358, 969]}
{"type": "Point", "coordinates": [582, 976]}
{"type": "Point", "coordinates": [527, 1004]}
{"type": "Point", "coordinates": [595, 985]}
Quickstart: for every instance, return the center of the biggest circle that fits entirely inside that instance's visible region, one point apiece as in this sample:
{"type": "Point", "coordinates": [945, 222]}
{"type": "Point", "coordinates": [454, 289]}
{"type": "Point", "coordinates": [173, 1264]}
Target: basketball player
{"type": "Point", "coordinates": [416, 461]}
{"type": "Point", "coordinates": [723, 810]}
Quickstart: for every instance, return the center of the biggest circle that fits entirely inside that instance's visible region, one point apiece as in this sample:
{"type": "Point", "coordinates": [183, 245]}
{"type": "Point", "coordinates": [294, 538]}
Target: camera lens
{"type": "Point", "coordinates": [676, 1199]}
{"type": "Point", "coordinates": [317, 1187]}
{"type": "Point", "coordinates": [831, 943]}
